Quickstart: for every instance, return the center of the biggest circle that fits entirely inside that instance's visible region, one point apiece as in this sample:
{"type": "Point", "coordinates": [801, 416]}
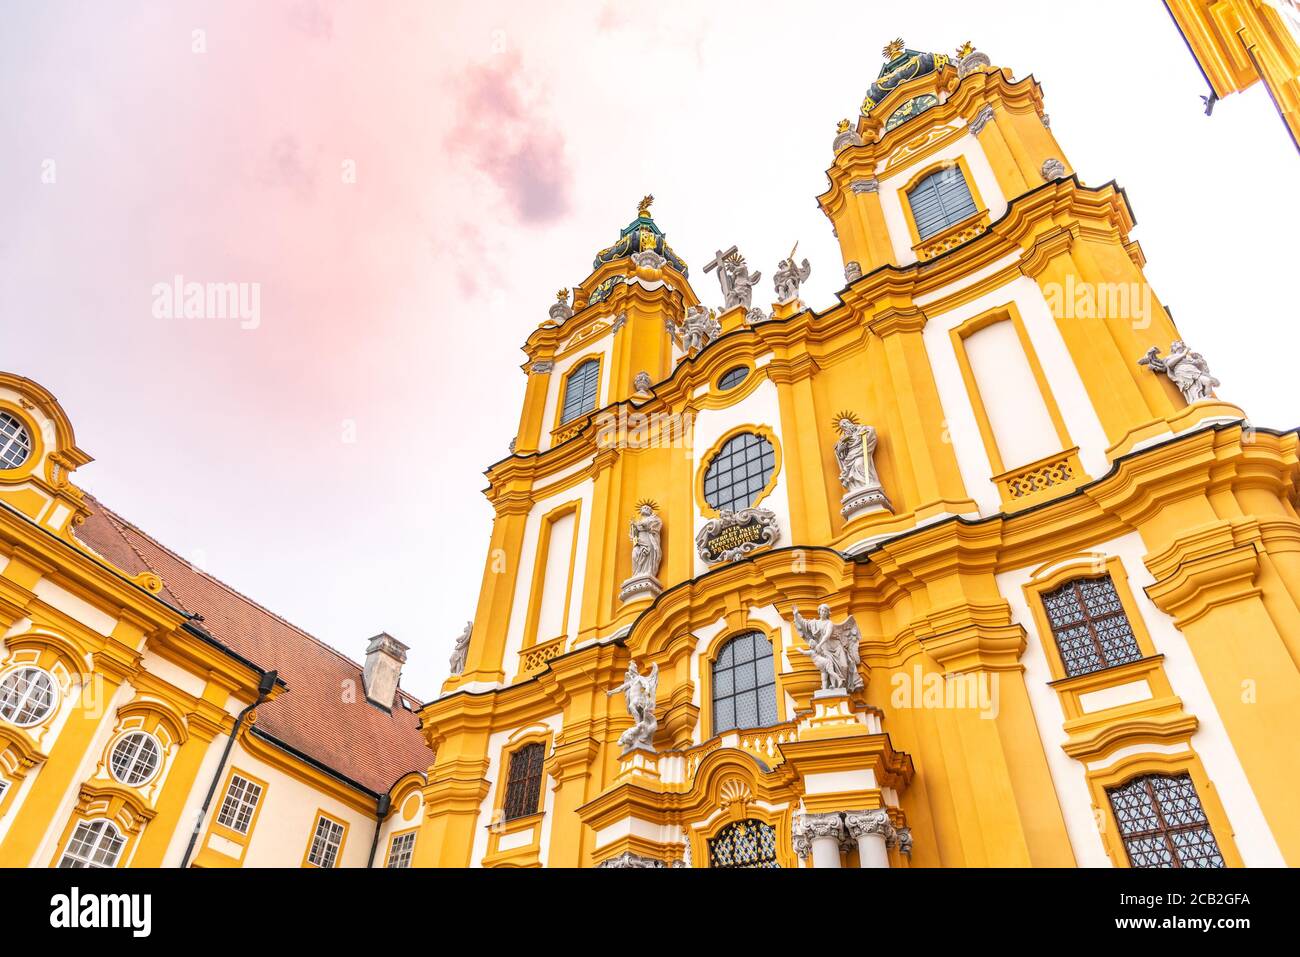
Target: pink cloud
{"type": "Point", "coordinates": [504, 130]}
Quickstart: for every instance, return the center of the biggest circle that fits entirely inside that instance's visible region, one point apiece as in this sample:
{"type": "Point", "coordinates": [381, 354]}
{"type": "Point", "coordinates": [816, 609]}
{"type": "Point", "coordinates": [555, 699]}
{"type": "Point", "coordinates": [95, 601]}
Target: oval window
{"type": "Point", "coordinates": [732, 378]}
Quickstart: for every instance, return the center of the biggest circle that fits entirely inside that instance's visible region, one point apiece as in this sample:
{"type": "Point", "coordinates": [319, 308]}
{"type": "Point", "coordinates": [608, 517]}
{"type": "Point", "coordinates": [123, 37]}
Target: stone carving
{"type": "Point", "coordinates": [869, 185]}
{"type": "Point", "coordinates": [852, 271]}
{"type": "Point", "coordinates": [732, 535]}
{"type": "Point", "coordinates": [543, 366]}
{"type": "Point", "coordinates": [789, 277]}
{"type": "Point", "coordinates": [1046, 120]}
{"type": "Point", "coordinates": [833, 649]}
{"type": "Point", "coordinates": [648, 259]}
{"type": "Point", "coordinates": [854, 453]}
{"type": "Point", "coordinates": [861, 823]}
{"type": "Point", "coordinates": [698, 329]}
{"type": "Point", "coordinates": [807, 828]}
{"type": "Point", "coordinates": [561, 310]}
{"type": "Point", "coordinates": [642, 382]}
{"type": "Point", "coordinates": [982, 119]}
{"type": "Point", "coordinates": [755, 315]}
{"type": "Point", "coordinates": [904, 837]}
{"type": "Point", "coordinates": [1052, 169]}
{"type": "Point", "coordinates": [845, 136]}
{"type": "Point", "coordinates": [969, 60]}
{"type": "Point", "coordinates": [461, 651]}
{"type": "Point", "coordinates": [1186, 369]}
{"type": "Point", "coordinates": [639, 692]}
{"type": "Point", "coordinates": [512, 445]}
{"type": "Point", "coordinates": [628, 859]}
{"type": "Point", "coordinates": [619, 322]}
{"type": "Point", "coordinates": [646, 532]}
{"type": "Point", "coordinates": [734, 277]}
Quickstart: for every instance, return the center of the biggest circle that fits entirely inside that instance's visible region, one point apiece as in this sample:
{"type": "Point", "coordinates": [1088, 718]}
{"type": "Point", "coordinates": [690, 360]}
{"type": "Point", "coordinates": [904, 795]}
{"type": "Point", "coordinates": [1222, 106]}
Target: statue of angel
{"type": "Point", "coordinates": [790, 277]}
{"type": "Point", "coordinates": [698, 329]}
{"type": "Point", "coordinates": [639, 692]}
{"type": "Point", "coordinates": [461, 651]}
{"type": "Point", "coordinates": [833, 649]}
{"type": "Point", "coordinates": [1186, 369]}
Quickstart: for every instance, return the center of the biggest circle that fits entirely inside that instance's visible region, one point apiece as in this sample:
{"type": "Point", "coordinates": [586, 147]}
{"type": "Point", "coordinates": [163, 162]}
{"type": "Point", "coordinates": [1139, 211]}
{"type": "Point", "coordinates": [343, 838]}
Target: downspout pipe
{"type": "Point", "coordinates": [264, 688]}
{"type": "Point", "coordinates": [381, 811]}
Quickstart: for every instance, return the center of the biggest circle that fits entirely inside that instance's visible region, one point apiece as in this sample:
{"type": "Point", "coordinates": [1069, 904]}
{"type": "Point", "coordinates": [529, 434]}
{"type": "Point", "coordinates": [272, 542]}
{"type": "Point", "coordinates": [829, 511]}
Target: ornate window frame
{"type": "Point", "coordinates": [33, 464]}
{"type": "Point", "coordinates": [560, 422]}
{"type": "Point", "coordinates": [532, 621]}
{"type": "Point", "coordinates": [232, 839]}
{"type": "Point", "coordinates": [521, 836]}
{"type": "Point", "coordinates": [766, 432]}
{"type": "Point", "coordinates": [323, 815]}
{"type": "Point", "coordinates": [945, 238]}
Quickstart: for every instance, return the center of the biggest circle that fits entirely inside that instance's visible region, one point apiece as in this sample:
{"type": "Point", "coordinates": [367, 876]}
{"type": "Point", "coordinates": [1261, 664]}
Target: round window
{"type": "Point", "coordinates": [135, 758]}
{"type": "Point", "coordinates": [739, 472]}
{"type": "Point", "coordinates": [732, 378]}
{"type": "Point", "coordinates": [27, 696]}
{"type": "Point", "coordinates": [15, 442]}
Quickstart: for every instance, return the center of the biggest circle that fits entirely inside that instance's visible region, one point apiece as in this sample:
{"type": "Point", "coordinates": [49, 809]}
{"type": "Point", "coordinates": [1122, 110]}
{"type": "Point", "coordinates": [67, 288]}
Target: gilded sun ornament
{"type": "Point", "coordinates": [840, 418]}
{"type": "Point", "coordinates": [562, 295]}
{"type": "Point", "coordinates": [965, 50]}
{"type": "Point", "coordinates": [654, 506]}
{"type": "Point", "coordinates": [842, 126]}
{"type": "Point", "coordinates": [643, 209]}
{"type": "Point", "coordinates": [894, 49]}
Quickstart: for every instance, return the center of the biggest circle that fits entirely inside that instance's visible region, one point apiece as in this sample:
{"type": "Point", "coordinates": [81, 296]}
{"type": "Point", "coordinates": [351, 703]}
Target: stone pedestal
{"type": "Point", "coordinates": [864, 501]}
{"type": "Point", "coordinates": [641, 764]}
{"type": "Point", "coordinates": [638, 587]}
{"type": "Point", "coordinates": [833, 715]}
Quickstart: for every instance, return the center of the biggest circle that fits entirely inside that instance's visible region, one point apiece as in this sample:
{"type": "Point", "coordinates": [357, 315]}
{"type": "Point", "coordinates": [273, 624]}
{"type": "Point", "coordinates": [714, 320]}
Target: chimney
{"type": "Point", "coordinates": [385, 656]}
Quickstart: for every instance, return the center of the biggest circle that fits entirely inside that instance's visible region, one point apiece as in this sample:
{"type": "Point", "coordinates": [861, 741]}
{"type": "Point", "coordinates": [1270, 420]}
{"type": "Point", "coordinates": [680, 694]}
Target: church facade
{"type": "Point", "coordinates": [972, 567]}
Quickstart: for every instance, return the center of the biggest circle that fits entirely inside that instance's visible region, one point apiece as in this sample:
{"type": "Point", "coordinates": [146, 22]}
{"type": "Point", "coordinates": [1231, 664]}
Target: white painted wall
{"type": "Point", "coordinates": [1251, 832]}
{"type": "Point", "coordinates": [1022, 426]}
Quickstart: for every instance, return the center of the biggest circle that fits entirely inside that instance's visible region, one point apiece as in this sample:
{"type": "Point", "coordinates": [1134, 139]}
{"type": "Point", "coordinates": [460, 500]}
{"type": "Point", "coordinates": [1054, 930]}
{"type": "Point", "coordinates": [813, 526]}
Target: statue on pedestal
{"type": "Point", "coordinates": [833, 649]}
{"type": "Point", "coordinates": [734, 277]}
{"type": "Point", "coordinates": [854, 453]}
{"type": "Point", "coordinates": [639, 692]}
{"type": "Point", "coordinates": [790, 277]}
{"type": "Point", "coordinates": [698, 329]}
{"type": "Point", "coordinates": [461, 651]}
{"type": "Point", "coordinates": [646, 532]}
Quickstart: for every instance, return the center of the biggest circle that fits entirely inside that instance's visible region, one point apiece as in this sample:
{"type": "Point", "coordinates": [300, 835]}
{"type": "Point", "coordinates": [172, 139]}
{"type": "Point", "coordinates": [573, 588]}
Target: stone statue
{"type": "Point", "coordinates": [852, 271]}
{"type": "Point", "coordinates": [854, 453]}
{"type": "Point", "coordinates": [646, 529]}
{"type": "Point", "coordinates": [642, 382]}
{"type": "Point", "coordinates": [790, 277]}
{"type": "Point", "coordinates": [734, 277]}
{"type": "Point", "coordinates": [1186, 369]}
{"type": "Point", "coordinates": [698, 329]}
{"type": "Point", "coordinates": [461, 651]}
{"type": "Point", "coordinates": [833, 649]}
{"type": "Point", "coordinates": [639, 691]}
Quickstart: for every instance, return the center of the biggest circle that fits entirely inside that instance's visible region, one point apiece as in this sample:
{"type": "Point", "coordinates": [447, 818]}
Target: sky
{"type": "Point", "coordinates": [406, 184]}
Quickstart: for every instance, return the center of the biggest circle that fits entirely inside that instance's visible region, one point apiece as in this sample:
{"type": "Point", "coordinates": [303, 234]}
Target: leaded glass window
{"type": "Point", "coordinates": [135, 758]}
{"type": "Point", "coordinates": [15, 442]}
{"type": "Point", "coordinates": [27, 696]}
{"type": "Point", "coordinates": [748, 843]}
{"type": "Point", "coordinates": [580, 390]}
{"type": "Point", "coordinates": [93, 844]}
{"type": "Point", "coordinates": [744, 684]}
{"type": "Point", "coordinates": [524, 782]}
{"type": "Point", "coordinates": [732, 378]}
{"type": "Point", "coordinates": [739, 472]}
{"type": "Point", "coordinates": [1090, 626]}
{"type": "Point", "coordinates": [1163, 824]}
{"type": "Point", "coordinates": [940, 200]}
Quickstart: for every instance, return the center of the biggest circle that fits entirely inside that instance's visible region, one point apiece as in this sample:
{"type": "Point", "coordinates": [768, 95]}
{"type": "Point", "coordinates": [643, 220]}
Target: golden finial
{"type": "Point", "coordinates": [965, 49]}
{"type": "Point", "coordinates": [894, 49]}
{"type": "Point", "coordinates": [842, 126]}
{"type": "Point", "coordinates": [644, 208]}
{"type": "Point", "coordinates": [841, 416]}
{"type": "Point", "coordinates": [562, 296]}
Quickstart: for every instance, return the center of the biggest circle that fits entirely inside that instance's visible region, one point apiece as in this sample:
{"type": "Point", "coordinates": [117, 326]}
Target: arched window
{"type": "Point", "coordinates": [744, 684]}
{"type": "Point", "coordinates": [27, 696]}
{"type": "Point", "coordinates": [15, 443]}
{"type": "Point", "coordinates": [1091, 629]}
{"type": "Point", "coordinates": [580, 390]}
{"type": "Point", "coordinates": [739, 472]}
{"type": "Point", "coordinates": [1163, 824]}
{"type": "Point", "coordinates": [524, 782]}
{"type": "Point", "coordinates": [135, 758]}
{"type": "Point", "coordinates": [94, 844]}
{"type": "Point", "coordinates": [940, 200]}
{"type": "Point", "coordinates": [748, 843]}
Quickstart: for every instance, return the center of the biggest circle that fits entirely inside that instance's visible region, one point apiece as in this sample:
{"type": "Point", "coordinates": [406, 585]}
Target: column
{"type": "Point", "coordinates": [819, 835]}
{"type": "Point", "coordinates": [873, 832]}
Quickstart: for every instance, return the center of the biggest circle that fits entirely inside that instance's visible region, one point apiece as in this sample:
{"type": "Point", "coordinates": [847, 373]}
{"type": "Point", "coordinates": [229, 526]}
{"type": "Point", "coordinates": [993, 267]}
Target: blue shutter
{"type": "Point", "coordinates": [580, 390]}
{"type": "Point", "coordinates": [940, 200]}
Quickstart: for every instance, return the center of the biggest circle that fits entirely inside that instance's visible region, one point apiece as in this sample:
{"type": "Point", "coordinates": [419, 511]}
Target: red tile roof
{"type": "Point", "coordinates": [357, 740]}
